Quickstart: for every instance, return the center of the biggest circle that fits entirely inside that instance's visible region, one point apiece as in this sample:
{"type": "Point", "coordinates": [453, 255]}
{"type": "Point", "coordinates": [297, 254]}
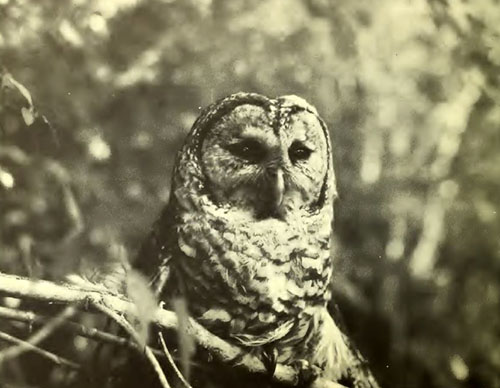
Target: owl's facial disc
{"type": "Point", "coordinates": [256, 169]}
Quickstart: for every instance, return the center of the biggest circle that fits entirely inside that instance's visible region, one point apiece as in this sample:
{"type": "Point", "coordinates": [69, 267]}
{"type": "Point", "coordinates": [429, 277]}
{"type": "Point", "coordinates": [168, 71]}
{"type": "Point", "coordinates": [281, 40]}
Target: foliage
{"type": "Point", "coordinates": [410, 91]}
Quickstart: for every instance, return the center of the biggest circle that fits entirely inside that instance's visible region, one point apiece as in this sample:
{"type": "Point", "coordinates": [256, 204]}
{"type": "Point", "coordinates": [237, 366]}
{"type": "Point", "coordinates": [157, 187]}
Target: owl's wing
{"type": "Point", "coordinates": [358, 372]}
{"type": "Point", "coordinates": [155, 254]}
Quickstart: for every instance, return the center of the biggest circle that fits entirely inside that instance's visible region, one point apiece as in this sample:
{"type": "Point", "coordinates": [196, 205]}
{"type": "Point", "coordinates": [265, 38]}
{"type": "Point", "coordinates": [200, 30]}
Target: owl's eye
{"type": "Point", "coordinates": [248, 149]}
{"type": "Point", "coordinates": [298, 151]}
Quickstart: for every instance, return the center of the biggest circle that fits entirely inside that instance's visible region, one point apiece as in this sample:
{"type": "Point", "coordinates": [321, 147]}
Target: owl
{"type": "Point", "coordinates": [245, 238]}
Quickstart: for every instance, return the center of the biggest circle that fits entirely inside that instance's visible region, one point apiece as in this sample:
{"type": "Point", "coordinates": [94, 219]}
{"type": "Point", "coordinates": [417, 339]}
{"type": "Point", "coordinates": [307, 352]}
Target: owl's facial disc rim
{"type": "Point", "coordinates": [215, 112]}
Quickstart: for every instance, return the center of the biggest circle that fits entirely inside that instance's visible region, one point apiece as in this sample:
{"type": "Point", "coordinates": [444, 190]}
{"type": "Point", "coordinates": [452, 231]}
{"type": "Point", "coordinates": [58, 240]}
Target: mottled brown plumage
{"type": "Point", "coordinates": [246, 235]}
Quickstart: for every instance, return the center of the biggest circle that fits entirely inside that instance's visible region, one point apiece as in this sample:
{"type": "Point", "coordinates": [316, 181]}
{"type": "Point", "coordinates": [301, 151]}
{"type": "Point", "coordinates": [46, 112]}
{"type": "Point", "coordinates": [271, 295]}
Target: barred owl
{"type": "Point", "coordinates": [245, 238]}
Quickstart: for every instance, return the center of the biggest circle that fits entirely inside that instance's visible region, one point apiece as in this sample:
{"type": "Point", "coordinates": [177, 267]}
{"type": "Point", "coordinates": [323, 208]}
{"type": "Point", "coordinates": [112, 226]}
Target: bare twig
{"type": "Point", "coordinates": [22, 316]}
{"type": "Point", "coordinates": [171, 361]}
{"type": "Point", "coordinates": [26, 346]}
{"type": "Point", "coordinates": [133, 333]}
{"type": "Point", "coordinates": [19, 287]}
{"type": "Point", "coordinates": [40, 335]}
{"type": "Point", "coordinates": [32, 318]}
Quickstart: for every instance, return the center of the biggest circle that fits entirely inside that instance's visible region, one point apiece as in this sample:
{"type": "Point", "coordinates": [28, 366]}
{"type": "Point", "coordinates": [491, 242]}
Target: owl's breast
{"type": "Point", "coordinates": [250, 278]}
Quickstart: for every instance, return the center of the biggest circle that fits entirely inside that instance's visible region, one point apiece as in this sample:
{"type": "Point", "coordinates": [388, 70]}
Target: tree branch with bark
{"type": "Point", "coordinates": [122, 311]}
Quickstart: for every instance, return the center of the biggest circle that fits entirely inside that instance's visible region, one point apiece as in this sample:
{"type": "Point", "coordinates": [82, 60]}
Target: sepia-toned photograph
{"type": "Point", "coordinates": [250, 193]}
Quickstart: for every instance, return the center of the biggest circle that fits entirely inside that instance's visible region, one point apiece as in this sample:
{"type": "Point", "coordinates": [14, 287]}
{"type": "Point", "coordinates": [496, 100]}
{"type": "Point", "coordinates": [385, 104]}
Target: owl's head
{"type": "Point", "coordinates": [266, 157]}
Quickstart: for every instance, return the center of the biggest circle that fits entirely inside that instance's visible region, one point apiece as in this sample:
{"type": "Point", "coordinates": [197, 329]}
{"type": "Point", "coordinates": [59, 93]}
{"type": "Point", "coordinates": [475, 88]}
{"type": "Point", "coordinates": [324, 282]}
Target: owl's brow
{"type": "Point", "coordinates": [257, 133]}
{"type": "Point", "coordinates": [218, 110]}
{"type": "Point", "coordinates": [283, 113]}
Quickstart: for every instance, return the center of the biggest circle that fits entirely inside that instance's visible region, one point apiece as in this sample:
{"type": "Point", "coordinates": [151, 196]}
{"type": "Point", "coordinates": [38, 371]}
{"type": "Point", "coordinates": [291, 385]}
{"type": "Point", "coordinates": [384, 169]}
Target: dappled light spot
{"type": "Point", "coordinates": [99, 149]}
{"type": "Point", "coordinates": [6, 179]}
{"type": "Point", "coordinates": [458, 367]}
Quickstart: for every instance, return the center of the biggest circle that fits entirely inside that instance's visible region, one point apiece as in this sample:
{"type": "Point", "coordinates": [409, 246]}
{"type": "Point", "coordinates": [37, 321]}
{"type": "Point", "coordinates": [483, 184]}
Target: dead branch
{"type": "Point", "coordinates": [171, 361]}
{"type": "Point", "coordinates": [33, 318]}
{"type": "Point", "coordinates": [120, 319]}
{"type": "Point", "coordinates": [90, 299]}
{"type": "Point", "coordinates": [49, 328]}
{"type": "Point", "coordinates": [26, 346]}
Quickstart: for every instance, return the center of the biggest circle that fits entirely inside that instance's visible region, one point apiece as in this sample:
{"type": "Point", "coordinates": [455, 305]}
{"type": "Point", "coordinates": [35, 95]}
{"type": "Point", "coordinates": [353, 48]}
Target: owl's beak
{"type": "Point", "coordinates": [274, 196]}
{"type": "Point", "coordinates": [271, 194]}
{"type": "Point", "coordinates": [278, 188]}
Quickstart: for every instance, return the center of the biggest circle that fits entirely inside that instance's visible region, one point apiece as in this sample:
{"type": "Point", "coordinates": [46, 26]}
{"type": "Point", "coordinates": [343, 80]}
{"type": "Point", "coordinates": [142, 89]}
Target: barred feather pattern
{"type": "Point", "coordinates": [259, 283]}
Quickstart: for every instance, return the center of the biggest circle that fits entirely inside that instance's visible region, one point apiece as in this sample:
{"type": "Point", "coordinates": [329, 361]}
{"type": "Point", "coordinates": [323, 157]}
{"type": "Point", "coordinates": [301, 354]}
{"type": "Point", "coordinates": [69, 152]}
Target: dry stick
{"type": "Point", "coordinates": [44, 353]}
{"type": "Point", "coordinates": [16, 315]}
{"type": "Point", "coordinates": [40, 335]}
{"type": "Point", "coordinates": [20, 287]}
{"type": "Point", "coordinates": [32, 318]}
{"type": "Point", "coordinates": [16, 286]}
{"type": "Point", "coordinates": [171, 361]}
{"type": "Point", "coordinates": [133, 333]}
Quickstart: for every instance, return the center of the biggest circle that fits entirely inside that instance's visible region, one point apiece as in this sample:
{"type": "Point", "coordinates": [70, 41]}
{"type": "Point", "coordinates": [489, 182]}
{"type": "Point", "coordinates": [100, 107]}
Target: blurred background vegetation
{"type": "Point", "coordinates": [409, 88]}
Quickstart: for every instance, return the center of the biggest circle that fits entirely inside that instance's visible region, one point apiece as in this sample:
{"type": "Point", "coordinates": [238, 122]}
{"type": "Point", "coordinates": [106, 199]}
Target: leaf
{"type": "Point", "coordinates": [28, 113]}
{"type": "Point", "coordinates": [9, 81]}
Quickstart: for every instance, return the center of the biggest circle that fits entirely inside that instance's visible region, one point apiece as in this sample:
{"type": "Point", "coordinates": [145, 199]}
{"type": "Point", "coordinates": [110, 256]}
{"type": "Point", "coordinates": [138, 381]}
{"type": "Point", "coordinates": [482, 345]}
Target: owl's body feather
{"type": "Point", "coordinates": [246, 236]}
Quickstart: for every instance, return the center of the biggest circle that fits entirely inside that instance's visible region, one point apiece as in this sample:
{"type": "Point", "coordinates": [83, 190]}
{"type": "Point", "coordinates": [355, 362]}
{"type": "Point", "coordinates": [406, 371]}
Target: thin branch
{"type": "Point", "coordinates": [26, 346]}
{"type": "Point", "coordinates": [40, 335]}
{"type": "Point", "coordinates": [41, 290]}
{"type": "Point", "coordinates": [32, 318]}
{"type": "Point", "coordinates": [133, 333]}
{"type": "Point", "coordinates": [22, 316]}
{"type": "Point", "coordinates": [171, 361]}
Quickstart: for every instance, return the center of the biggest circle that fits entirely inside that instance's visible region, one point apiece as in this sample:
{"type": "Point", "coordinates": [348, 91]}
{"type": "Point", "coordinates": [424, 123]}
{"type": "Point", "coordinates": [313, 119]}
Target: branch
{"type": "Point", "coordinates": [44, 353]}
{"type": "Point", "coordinates": [40, 335]}
{"type": "Point", "coordinates": [171, 361]}
{"type": "Point", "coordinates": [133, 333]}
{"type": "Point", "coordinates": [32, 318]}
{"type": "Point", "coordinates": [46, 291]}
